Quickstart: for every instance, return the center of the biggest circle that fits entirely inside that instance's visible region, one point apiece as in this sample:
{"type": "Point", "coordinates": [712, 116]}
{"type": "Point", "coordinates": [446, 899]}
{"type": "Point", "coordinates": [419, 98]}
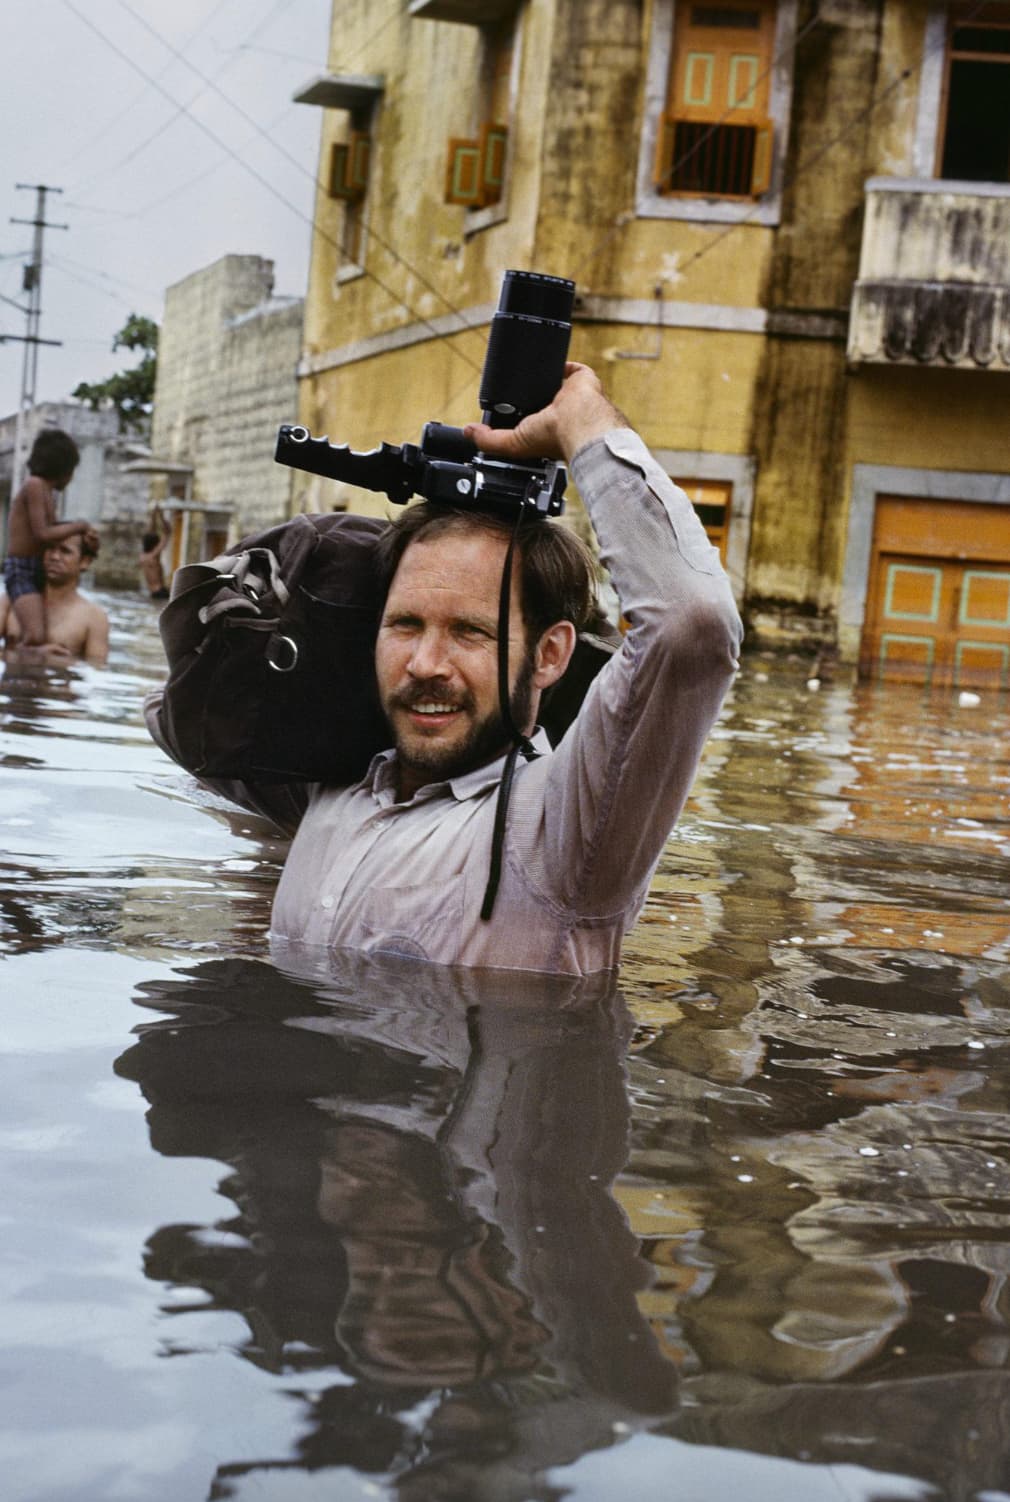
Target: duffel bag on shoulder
{"type": "Point", "coordinates": [271, 655]}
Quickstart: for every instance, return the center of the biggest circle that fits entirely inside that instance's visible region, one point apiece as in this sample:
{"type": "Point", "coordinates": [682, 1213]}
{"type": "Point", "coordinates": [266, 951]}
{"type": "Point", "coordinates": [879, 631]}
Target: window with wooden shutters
{"type": "Point", "coordinates": [345, 170]}
{"type": "Point", "coordinates": [349, 162]}
{"type": "Point", "coordinates": [716, 135]}
{"type": "Point", "coordinates": [348, 182]}
{"type": "Point", "coordinates": [475, 170]}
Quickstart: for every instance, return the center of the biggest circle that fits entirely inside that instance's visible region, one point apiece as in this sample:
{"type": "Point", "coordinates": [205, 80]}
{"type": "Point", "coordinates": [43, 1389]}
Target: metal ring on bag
{"type": "Point", "coordinates": [275, 656]}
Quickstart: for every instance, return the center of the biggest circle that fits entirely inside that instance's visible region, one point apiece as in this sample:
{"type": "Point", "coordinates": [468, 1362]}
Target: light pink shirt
{"type": "Point", "coordinates": [587, 821]}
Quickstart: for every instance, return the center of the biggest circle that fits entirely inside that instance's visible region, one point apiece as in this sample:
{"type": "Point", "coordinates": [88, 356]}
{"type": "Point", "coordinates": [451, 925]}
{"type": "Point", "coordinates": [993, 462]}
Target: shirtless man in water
{"type": "Point", "coordinates": [77, 626]}
{"type": "Point", "coordinates": [33, 525]}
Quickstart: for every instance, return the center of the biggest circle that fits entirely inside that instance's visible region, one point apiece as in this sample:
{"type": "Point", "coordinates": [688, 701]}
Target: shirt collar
{"type": "Point", "coordinates": [380, 779]}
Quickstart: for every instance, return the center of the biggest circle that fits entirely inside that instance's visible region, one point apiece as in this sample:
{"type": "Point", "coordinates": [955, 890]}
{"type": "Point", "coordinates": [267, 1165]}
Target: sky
{"type": "Point", "coordinates": [169, 127]}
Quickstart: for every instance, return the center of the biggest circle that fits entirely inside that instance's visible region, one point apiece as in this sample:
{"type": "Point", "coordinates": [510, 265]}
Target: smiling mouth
{"type": "Point", "coordinates": [432, 713]}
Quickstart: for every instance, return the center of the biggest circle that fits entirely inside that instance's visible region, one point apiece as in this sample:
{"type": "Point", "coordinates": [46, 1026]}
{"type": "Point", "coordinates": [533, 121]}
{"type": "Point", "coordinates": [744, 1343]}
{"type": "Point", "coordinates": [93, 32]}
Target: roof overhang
{"type": "Point", "coordinates": [341, 91]}
{"type": "Point", "coordinates": [151, 465]}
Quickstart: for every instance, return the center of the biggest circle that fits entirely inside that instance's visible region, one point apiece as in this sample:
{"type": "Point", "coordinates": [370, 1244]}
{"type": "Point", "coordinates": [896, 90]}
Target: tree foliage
{"type": "Point", "coordinates": [130, 391]}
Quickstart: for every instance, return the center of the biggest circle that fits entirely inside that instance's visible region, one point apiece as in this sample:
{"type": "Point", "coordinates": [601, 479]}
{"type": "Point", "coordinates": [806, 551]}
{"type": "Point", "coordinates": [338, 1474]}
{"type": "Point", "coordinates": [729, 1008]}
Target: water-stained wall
{"type": "Point", "coordinates": [719, 325]}
{"type": "Point", "coordinates": [226, 380]}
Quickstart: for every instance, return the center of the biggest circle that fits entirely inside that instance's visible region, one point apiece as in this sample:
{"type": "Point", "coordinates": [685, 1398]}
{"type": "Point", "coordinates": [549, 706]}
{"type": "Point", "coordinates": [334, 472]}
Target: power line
{"type": "Point", "coordinates": [265, 182]}
{"type": "Point", "coordinates": [786, 51]}
{"type": "Point", "coordinates": [59, 264]}
{"type": "Point", "coordinates": [65, 262]}
{"type": "Point", "coordinates": [181, 109]}
{"type": "Point", "coordinates": [190, 182]}
{"type": "Point", "coordinates": [811, 161]}
{"type": "Point", "coordinates": [297, 164]}
{"type": "Point", "coordinates": [128, 109]}
{"type": "Point", "coordinates": [270, 127]}
{"type": "Point", "coordinates": [291, 57]}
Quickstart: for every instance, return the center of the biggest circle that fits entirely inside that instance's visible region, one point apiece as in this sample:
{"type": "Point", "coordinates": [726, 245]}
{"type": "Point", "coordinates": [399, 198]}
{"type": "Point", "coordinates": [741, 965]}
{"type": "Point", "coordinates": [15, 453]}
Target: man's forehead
{"type": "Point", "coordinates": [466, 560]}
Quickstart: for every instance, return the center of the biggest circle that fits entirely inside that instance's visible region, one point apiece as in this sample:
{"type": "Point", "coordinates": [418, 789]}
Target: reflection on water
{"type": "Point", "coordinates": [277, 1228]}
{"type": "Point", "coordinates": [418, 1163]}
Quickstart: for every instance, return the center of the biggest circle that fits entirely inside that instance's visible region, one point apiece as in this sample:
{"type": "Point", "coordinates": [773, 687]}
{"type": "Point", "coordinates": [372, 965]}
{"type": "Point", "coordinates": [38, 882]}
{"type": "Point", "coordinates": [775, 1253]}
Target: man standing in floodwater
{"type": "Point", "coordinates": [77, 626]}
{"type": "Point", "coordinates": [152, 545]}
{"type": "Point", "coordinates": [399, 862]}
{"type": "Point", "coordinates": [32, 526]}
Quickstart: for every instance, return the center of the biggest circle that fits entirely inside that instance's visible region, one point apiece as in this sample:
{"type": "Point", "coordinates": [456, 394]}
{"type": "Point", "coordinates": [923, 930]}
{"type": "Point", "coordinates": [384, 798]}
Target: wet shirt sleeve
{"type": "Point", "coordinates": [619, 778]}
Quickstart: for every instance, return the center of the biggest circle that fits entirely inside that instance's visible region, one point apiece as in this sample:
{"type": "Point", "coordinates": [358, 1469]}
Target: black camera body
{"type": "Point", "coordinates": [523, 369]}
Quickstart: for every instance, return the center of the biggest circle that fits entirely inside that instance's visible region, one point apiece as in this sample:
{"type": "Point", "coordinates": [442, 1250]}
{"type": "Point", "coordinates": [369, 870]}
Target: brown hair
{"type": "Point", "coordinates": [556, 571]}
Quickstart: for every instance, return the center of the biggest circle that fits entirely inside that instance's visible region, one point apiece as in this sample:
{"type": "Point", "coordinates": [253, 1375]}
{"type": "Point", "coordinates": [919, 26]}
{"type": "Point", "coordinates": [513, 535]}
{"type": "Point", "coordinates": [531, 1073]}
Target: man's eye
{"type": "Point", "coordinates": [469, 631]}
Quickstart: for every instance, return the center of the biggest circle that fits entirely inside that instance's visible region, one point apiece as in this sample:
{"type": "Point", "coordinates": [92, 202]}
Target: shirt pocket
{"type": "Point", "coordinates": [424, 921]}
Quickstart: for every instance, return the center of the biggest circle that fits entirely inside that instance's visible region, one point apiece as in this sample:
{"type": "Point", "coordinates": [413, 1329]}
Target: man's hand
{"type": "Point", "coordinates": [579, 413]}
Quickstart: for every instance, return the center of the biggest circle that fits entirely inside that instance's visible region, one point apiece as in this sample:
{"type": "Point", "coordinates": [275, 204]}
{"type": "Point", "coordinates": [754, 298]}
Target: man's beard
{"type": "Point", "coordinates": [488, 738]}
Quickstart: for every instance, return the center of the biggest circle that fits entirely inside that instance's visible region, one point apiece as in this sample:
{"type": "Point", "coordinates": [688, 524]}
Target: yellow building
{"type": "Point", "coordinates": [789, 225]}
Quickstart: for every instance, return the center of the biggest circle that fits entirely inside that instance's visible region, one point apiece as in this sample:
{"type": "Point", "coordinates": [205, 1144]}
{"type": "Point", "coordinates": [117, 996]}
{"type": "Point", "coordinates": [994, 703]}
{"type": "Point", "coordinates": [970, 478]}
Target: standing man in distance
{"type": "Point", "coordinates": [77, 626]}
{"type": "Point", "coordinates": [399, 861]}
{"type": "Point", "coordinates": [152, 545]}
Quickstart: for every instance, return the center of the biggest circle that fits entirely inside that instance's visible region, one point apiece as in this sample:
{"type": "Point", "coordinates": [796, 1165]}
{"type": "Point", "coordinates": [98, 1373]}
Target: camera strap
{"type": "Point", "coordinates": [521, 743]}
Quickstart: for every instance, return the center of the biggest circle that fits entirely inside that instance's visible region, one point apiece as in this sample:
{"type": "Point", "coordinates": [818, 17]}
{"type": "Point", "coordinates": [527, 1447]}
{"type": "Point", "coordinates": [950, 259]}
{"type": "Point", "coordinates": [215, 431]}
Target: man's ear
{"type": "Point", "coordinates": [553, 653]}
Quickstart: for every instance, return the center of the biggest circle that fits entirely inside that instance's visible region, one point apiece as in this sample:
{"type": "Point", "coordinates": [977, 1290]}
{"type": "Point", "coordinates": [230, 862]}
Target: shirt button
{"type": "Point", "coordinates": [326, 902]}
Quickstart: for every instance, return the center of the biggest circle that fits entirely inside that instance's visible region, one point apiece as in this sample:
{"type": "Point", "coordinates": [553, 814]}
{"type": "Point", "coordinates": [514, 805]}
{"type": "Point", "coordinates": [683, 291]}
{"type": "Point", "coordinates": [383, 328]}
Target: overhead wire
{"type": "Point", "coordinates": [293, 160]}
{"type": "Point", "coordinates": [313, 225]}
{"type": "Point", "coordinates": [91, 141]}
{"type": "Point", "coordinates": [291, 57]}
{"type": "Point", "coordinates": [788, 49]}
{"type": "Point", "coordinates": [67, 263]}
{"type": "Point", "coordinates": [87, 281]}
{"type": "Point", "coordinates": [180, 109]}
{"type": "Point", "coordinates": [747, 217]}
{"type": "Point", "coordinates": [789, 179]}
{"type": "Point", "coordinates": [271, 126]}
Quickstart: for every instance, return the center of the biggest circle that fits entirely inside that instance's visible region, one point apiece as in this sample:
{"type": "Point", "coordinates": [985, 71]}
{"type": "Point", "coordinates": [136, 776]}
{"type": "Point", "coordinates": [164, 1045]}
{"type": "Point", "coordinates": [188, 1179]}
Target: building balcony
{"type": "Point", "coordinates": [934, 276]}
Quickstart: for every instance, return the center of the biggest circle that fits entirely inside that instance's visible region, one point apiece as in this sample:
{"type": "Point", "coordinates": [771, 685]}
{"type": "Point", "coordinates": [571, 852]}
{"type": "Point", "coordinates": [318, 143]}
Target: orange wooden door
{"type": "Point", "coordinates": [938, 610]}
{"type": "Point", "coordinates": [711, 500]}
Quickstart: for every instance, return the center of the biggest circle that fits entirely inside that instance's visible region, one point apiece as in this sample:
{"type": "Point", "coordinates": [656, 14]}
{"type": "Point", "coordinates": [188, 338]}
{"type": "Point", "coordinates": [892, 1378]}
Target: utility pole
{"type": "Point", "coordinates": [32, 284]}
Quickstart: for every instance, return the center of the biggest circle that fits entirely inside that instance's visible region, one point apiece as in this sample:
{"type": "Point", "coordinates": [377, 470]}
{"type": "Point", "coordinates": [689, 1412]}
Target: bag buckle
{"type": "Point", "coordinates": [282, 654]}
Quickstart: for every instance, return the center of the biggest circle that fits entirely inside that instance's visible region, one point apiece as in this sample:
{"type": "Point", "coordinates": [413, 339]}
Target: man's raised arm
{"type": "Point", "coordinates": [620, 777]}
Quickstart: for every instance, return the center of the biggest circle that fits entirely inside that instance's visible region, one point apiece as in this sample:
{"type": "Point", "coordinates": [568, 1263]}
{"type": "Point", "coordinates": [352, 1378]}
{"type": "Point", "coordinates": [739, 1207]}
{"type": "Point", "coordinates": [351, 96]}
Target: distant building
{"type": "Point", "coordinates": [227, 357]}
{"type": "Point", "coordinates": [789, 227]}
{"type": "Point", "coordinates": [104, 490]}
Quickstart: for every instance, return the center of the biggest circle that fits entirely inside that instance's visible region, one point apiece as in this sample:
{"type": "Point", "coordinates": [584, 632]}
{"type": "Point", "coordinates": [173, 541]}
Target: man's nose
{"type": "Point", "coordinates": [430, 656]}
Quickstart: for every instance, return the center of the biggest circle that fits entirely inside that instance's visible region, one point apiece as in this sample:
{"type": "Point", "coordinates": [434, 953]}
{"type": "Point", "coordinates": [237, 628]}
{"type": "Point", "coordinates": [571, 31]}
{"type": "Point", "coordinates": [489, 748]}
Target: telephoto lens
{"type": "Point", "coordinates": [526, 353]}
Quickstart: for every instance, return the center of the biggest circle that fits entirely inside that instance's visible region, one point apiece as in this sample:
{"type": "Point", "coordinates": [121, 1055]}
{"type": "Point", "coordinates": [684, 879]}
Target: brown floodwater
{"type": "Point", "coordinates": [289, 1226]}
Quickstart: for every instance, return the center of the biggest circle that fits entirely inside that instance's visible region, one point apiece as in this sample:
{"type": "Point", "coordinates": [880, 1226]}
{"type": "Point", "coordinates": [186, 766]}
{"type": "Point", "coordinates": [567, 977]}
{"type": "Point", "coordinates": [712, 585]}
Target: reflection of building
{"type": "Point", "coordinates": [226, 380]}
{"type": "Point", "coordinates": [791, 259]}
{"type": "Point", "coordinates": [104, 489]}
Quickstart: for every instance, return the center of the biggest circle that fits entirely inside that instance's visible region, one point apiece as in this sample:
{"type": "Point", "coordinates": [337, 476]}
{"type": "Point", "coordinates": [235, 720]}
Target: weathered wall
{"type": "Point", "coordinates": [722, 340]}
{"type": "Point", "coordinates": [929, 419]}
{"type": "Point", "coordinates": [226, 379]}
{"type": "Point", "coordinates": [801, 390]}
{"type": "Point", "coordinates": [570, 212]}
{"type": "Point", "coordinates": [425, 260]}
